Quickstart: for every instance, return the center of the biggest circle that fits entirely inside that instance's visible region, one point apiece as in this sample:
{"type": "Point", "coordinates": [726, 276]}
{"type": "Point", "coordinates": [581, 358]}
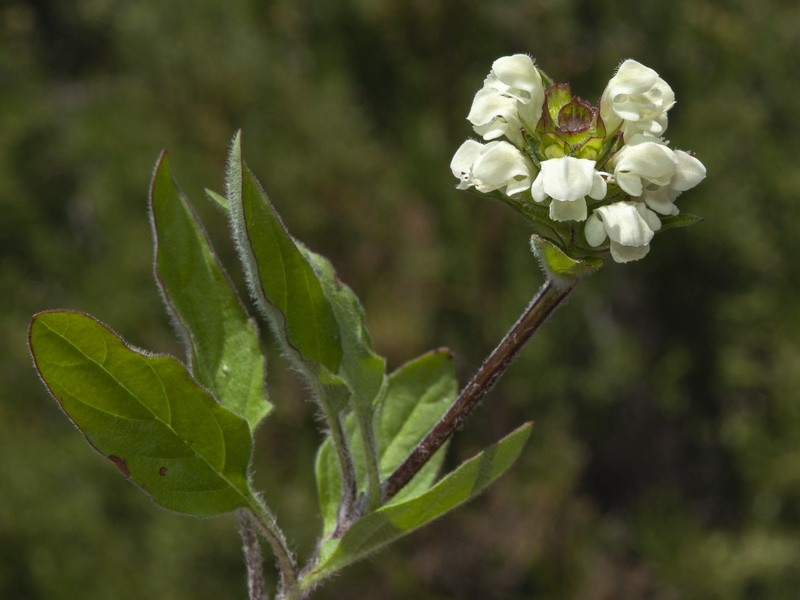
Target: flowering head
{"type": "Point", "coordinates": [593, 180]}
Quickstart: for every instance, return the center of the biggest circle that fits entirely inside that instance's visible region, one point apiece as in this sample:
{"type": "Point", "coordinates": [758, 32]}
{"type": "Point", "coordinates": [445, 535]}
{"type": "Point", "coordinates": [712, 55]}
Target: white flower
{"type": "Point", "coordinates": [643, 160]}
{"type": "Point", "coordinates": [568, 181]}
{"type": "Point", "coordinates": [492, 166]}
{"type": "Point", "coordinates": [511, 98]}
{"type": "Point", "coordinates": [637, 99]}
{"type": "Point", "coordinates": [630, 225]}
{"type": "Point", "coordinates": [688, 173]}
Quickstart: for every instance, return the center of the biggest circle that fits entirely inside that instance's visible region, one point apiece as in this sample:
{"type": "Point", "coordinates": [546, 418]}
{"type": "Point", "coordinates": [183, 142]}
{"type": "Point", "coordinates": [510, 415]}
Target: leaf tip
{"type": "Point", "coordinates": [444, 351]}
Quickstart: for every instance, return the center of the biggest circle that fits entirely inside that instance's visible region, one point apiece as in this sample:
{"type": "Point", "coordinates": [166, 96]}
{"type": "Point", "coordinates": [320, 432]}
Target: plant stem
{"type": "Point", "coordinates": [549, 297]}
{"type": "Point", "coordinates": [343, 453]}
{"type": "Point", "coordinates": [269, 529]}
{"type": "Point", "coordinates": [252, 556]}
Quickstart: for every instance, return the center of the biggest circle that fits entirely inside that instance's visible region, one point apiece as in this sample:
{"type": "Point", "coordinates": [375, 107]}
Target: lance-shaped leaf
{"type": "Point", "coordinates": [291, 296]}
{"type": "Point", "coordinates": [417, 395]}
{"type": "Point", "coordinates": [280, 278]}
{"type": "Point", "coordinates": [219, 200]}
{"type": "Point", "coordinates": [146, 414]}
{"type": "Point", "coordinates": [222, 340]}
{"type": "Point", "coordinates": [391, 522]}
{"type": "Point", "coordinates": [681, 220]}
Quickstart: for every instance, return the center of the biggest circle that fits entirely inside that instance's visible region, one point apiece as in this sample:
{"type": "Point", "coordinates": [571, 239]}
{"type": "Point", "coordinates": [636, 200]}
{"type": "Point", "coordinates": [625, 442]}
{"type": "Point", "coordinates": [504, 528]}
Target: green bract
{"type": "Point", "coordinates": [569, 127]}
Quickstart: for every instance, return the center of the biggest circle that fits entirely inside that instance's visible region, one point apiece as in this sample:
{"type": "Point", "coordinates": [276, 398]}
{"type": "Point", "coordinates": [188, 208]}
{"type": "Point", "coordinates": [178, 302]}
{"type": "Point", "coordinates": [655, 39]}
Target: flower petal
{"type": "Point", "coordinates": [488, 104]}
{"type": "Point", "coordinates": [599, 187]}
{"type": "Point", "coordinates": [567, 178]}
{"type": "Point", "coordinates": [623, 254]}
{"type": "Point", "coordinates": [689, 172]}
{"type": "Point", "coordinates": [537, 189]}
{"type": "Point", "coordinates": [660, 200]}
{"type": "Point", "coordinates": [500, 165]}
{"type": "Point", "coordinates": [519, 73]}
{"type": "Point", "coordinates": [651, 218]}
{"type": "Point", "coordinates": [571, 210]}
{"type": "Point", "coordinates": [594, 231]}
{"type": "Point", "coordinates": [624, 225]}
{"type": "Point", "coordinates": [642, 159]}
{"type": "Point", "coordinates": [465, 157]}
{"type": "Point", "coordinates": [632, 77]}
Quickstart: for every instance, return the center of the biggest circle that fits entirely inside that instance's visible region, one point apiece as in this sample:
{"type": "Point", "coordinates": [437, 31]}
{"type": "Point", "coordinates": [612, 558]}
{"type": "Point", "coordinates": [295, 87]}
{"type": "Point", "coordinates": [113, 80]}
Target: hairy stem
{"type": "Point", "coordinates": [549, 297]}
{"type": "Point", "coordinates": [252, 557]}
{"type": "Point", "coordinates": [343, 454]}
{"type": "Point", "coordinates": [269, 529]}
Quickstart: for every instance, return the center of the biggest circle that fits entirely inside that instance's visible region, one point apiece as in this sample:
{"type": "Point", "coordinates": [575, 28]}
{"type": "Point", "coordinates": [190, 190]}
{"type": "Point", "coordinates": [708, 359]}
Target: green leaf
{"type": "Point", "coordinates": [681, 220]}
{"type": "Point", "coordinates": [290, 295]}
{"type": "Point", "coordinates": [146, 414]}
{"type": "Point", "coordinates": [222, 340]}
{"type": "Point", "coordinates": [219, 200]}
{"type": "Point", "coordinates": [417, 395]}
{"type": "Point", "coordinates": [329, 485]}
{"type": "Point", "coordinates": [280, 278]}
{"type": "Point", "coordinates": [391, 522]}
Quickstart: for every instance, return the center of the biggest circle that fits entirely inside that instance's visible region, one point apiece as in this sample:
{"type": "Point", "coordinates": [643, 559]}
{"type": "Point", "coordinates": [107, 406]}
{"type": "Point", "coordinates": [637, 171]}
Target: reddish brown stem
{"type": "Point", "coordinates": [549, 298]}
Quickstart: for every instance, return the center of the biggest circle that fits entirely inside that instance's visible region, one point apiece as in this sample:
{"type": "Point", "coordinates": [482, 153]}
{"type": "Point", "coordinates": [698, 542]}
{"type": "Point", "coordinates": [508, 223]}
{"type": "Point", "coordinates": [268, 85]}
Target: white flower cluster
{"type": "Point", "coordinates": [545, 149]}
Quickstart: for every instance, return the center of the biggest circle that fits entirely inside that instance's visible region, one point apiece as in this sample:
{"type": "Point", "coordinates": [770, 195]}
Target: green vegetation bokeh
{"type": "Point", "coordinates": [665, 461]}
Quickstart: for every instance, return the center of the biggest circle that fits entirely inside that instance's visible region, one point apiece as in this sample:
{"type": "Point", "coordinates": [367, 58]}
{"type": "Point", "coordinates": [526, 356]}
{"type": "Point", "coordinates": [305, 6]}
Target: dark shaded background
{"type": "Point", "coordinates": [666, 459]}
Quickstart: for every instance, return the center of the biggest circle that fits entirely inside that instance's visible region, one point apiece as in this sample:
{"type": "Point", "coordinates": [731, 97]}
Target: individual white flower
{"type": "Point", "coordinates": [643, 160]}
{"type": "Point", "coordinates": [630, 225]}
{"type": "Point", "coordinates": [568, 181]}
{"type": "Point", "coordinates": [511, 98]}
{"type": "Point", "coordinates": [637, 99]}
{"type": "Point", "coordinates": [492, 166]}
{"type": "Point", "coordinates": [688, 173]}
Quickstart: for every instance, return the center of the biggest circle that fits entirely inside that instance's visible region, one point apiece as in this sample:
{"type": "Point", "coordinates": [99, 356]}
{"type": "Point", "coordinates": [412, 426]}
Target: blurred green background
{"type": "Point", "coordinates": [665, 463]}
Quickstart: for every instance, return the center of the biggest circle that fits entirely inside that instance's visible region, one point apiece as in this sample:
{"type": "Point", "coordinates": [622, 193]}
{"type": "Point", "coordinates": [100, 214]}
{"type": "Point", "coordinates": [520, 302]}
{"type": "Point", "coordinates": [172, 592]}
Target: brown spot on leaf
{"type": "Point", "coordinates": [162, 471]}
{"type": "Point", "coordinates": [121, 465]}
